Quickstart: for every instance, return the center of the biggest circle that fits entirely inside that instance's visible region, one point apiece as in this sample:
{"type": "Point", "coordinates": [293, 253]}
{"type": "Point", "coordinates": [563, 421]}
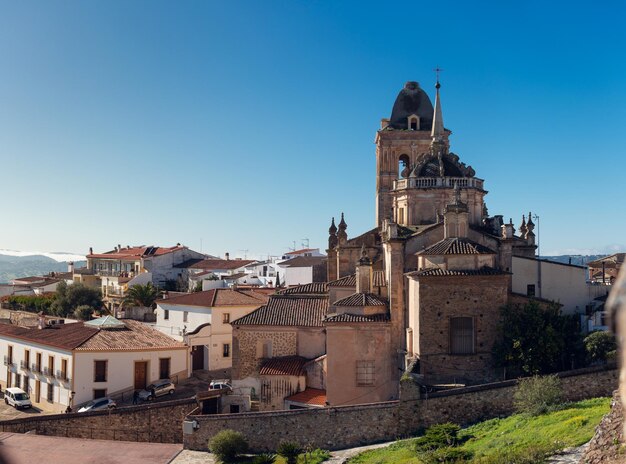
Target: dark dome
{"type": "Point", "coordinates": [412, 100]}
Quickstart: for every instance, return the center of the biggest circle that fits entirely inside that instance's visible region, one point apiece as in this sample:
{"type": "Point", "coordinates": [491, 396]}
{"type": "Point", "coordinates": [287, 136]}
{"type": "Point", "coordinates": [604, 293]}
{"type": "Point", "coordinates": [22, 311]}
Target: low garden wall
{"type": "Point", "coordinates": [350, 426]}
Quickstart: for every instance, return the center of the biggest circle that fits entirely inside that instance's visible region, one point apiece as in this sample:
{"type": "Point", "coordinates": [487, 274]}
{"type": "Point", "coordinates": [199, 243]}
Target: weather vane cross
{"type": "Point", "coordinates": [437, 71]}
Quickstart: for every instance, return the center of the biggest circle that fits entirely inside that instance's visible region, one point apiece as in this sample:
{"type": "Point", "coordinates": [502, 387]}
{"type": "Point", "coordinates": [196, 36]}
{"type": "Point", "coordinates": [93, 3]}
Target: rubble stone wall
{"type": "Point", "coordinates": [350, 426]}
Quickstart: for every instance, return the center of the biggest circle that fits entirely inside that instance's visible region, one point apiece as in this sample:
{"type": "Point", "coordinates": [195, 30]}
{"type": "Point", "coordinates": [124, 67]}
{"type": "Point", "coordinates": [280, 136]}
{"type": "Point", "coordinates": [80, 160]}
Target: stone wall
{"type": "Point", "coordinates": [159, 422]}
{"type": "Point", "coordinates": [349, 426]}
{"type": "Point", "coordinates": [606, 446]}
{"type": "Point", "coordinates": [247, 342]}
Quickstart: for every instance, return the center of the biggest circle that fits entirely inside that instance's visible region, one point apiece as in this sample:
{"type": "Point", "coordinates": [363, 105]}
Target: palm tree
{"type": "Point", "coordinates": [141, 295]}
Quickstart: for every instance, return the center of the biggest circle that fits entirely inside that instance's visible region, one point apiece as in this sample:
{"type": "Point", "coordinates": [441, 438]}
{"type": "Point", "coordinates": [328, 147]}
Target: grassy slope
{"type": "Point", "coordinates": [571, 426]}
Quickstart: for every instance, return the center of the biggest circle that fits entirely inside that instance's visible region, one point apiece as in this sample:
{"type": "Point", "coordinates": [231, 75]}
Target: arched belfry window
{"type": "Point", "coordinates": [403, 166]}
{"type": "Point", "coordinates": [414, 122]}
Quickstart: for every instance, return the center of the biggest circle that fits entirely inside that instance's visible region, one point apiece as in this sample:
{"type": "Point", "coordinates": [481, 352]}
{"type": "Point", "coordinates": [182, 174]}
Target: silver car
{"type": "Point", "coordinates": [159, 388]}
{"type": "Point", "coordinates": [98, 405]}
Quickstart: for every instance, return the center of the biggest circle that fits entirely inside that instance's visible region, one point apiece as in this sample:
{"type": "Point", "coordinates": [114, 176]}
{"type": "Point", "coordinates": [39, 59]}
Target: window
{"type": "Point", "coordinates": [51, 365]}
{"type": "Point", "coordinates": [100, 371]}
{"type": "Point", "coordinates": [226, 318]}
{"type": "Point", "coordinates": [99, 393]}
{"type": "Point", "coordinates": [364, 373]}
{"type": "Point", "coordinates": [164, 368]}
{"type": "Point", "coordinates": [166, 314]}
{"type": "Point", "coordinates": [185, 316]}
{"type": "Point", "coordinates": [50, 396]}
{"type": "Point", "coordinates": [38, 363]}
{"type": "Point", "coordinates": [10, 357]}
{"type": "Point", "coordinates": [264, 349]}
{"type": "Point", "coordinates": [226, 350]}
{"type": "Point", "coordinates": [530, 290]}
{"type": "Point", "coordinates": [401, 216]}
{"type": "Point", "coordinates": [64, 369]}
{"type": "Point", "coordinates": [414, 123]}
{"type": "Point", "coordinates": [462, 335]}
{"type": "Point", "coordinates": [27, 359]}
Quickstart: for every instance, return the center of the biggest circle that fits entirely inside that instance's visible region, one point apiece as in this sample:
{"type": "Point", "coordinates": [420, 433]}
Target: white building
{"type": "Point", "coordinates": [566, 284]}
{"type": "Point", "coordinates": [303, 270]}
{"type": "Point", "coordinates": [206, 271]}
{"type": "Point", "coordinates": [70, 364]}
{"type": "Point", "coordinates": [202, 320]}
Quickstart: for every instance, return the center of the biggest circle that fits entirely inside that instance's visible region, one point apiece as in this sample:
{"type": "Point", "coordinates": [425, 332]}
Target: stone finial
{"type": "Point", "coordinates": [332, 235]}
{"type": "Point", "coordinates": [365, 259]}
{"type": "Point", "coordinates": [437, 129]}
{"type": "Point", "coordinates": [522, 228]}
{"type": "Point", "coordinates": [342, 235]}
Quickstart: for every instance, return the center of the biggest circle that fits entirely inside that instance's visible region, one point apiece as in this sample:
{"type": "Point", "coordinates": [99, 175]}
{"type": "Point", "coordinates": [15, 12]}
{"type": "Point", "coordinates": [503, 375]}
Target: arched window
{"type": "Point", "coordinates": [403, 166]}
{"type": "Point", "coordinates": [414, 122]}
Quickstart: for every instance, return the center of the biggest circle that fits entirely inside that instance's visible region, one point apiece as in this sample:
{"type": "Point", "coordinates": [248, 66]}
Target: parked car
{"type": "Point", "coordinates": [17, 398]}
{"type": "Point", "coordinates": [156, 389]}
{"type": "Point", "coordinates": [218, 384]}
{"type": "Point", "coordinates": [98, 405]}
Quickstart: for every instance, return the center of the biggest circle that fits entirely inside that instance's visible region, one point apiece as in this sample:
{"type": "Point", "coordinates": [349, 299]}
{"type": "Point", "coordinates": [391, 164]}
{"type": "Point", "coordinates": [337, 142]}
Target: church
{"type": "Point", "coordinates": [419, 292]}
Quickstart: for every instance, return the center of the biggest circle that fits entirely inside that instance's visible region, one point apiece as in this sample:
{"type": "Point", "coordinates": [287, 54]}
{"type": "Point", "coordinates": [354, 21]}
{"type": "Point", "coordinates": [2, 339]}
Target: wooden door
{"type": "Point", "coordinates": [141, 370]}
{"type": "Point", "coordinates": [197, 357]}
{"type": "Point", "coordinates": [38, 391]}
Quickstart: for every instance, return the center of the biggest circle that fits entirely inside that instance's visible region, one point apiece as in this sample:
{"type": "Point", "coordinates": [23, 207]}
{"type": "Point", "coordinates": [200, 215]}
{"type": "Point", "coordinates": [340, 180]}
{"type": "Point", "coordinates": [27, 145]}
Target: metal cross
{"type": "Point", "coordinates": [437, 70]}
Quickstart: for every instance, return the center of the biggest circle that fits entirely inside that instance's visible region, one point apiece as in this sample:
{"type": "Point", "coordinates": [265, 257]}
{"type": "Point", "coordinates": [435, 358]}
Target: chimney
{"type": "Point", "coordinates": [70, 267]}
{"type": "Point", "coordinates": [90, 251]}
{"type": "Point", "coordinates": [227, 256]}
{"type": "Point", "coordinates": [119, 247]}
{"type": "Point", "coordinates": [41, 321]}
{"type": "Point", "coordinates": [166, 295]}
{"type": "Point", "coordinates": [364, 273]}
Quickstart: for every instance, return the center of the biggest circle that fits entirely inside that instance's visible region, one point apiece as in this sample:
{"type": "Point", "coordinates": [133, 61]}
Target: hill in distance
{"type": "Point", "coordinates": [12, 267]}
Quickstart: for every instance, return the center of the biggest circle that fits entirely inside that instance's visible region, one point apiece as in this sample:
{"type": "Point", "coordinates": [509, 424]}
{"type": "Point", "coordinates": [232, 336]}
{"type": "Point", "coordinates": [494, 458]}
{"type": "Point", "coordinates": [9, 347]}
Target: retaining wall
{"type": "Point", "coordinates": [350, 426]}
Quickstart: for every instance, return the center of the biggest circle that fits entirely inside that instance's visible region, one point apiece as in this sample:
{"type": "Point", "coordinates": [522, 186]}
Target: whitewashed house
{"type": "Point", "coordinates": [202, 321]}
{"type": "Point", "coordinates": [70, 364]}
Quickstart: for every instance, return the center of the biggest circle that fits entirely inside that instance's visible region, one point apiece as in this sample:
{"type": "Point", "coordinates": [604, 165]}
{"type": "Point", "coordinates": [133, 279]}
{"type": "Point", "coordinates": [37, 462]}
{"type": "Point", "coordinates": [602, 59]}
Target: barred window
{"type": "Point", "coordinates": [364, 373]}
{"type": "Point", "coordinates": [461, 335]}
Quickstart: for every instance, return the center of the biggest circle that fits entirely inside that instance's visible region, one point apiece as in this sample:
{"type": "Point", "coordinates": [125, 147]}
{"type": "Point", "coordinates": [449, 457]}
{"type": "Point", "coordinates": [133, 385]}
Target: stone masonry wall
{"type": "Point", "coordinates": [349, 426]}
{"type": "Point", "coordinates": [606, 446]}
{"type": "Point", "coordinates": [159, 422]}
{"type": "Point", "coordinates": [245, 343]}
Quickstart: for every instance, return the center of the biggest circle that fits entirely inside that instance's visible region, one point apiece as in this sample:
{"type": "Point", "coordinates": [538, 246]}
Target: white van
{"type": "Point", "coordinates": [17, 398]}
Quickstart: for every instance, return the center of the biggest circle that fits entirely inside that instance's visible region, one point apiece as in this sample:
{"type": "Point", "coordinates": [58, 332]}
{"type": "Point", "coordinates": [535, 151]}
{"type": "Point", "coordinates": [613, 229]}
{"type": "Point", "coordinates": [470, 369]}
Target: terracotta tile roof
{"type": "Point", "coordinates": [65, 336]}
{"type": "Point", "coordinates": [379, 279]}
{"type": "Point", "coordinates": [611, 261]}
{"type": "Point", "coordinates": [303, 261]}
{"type": "Point", "coordinates": [221, 264]}
{"type": "Point", "coordinates": [188, 263]}
{"type": "Point", "coordinates": [219, 297]}
{"type": "Point", "coordinates": [287, 365]}
{"type": "Point", "coordinates": [456, 246]}
{"type": "Point", "coordinates": [315, 288]}
{"type": "Point", "coordinates": [236, 276]}
{"type": "Point", "coordinates": [310, 396]}
{"type": "Point", "coordinates": [435, 271]}
{"type": "Point", "coordinates": [136, 252]}
{"type": "Point", "coordinates": [29, 279]}
{"type": "Point", "coordinates": [136, 336]}
{"type": "Point", "coordinates": [358, 318]}
{"type": "Point", "coordinates": [347, 281]}
{"type": "Point", "coordinates": [288, 310]}
{"type": "Point", "coordinates": [361, 299]}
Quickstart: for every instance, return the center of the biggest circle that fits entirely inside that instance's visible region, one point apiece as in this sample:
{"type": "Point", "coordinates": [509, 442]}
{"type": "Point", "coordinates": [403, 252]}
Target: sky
{"type": "Point", "coordinates": [243, 127]}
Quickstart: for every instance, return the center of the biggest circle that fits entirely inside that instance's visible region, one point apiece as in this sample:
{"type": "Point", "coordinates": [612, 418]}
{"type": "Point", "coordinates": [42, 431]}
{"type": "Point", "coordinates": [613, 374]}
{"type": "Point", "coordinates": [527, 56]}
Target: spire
{"type": "Point", "coordinates": [342, 223]}
{"type": "Point", "coordinates": [332, 230]}
{"type": "Point", "coordinates": [342, 236]}
{"type": "Point", "coordinates": [332, 235]}
{"type": "Point", "coordinates": [437, 131]}
{"type": "Point", "coordinates": [522, 228]}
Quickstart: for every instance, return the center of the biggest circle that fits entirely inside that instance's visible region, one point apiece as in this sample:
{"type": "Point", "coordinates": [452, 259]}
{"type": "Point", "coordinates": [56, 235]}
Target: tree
{"type": "Point", "coordinates": [141, 295]}
{"type": "Point", "coordinates": [83, 312]}
{"type": "Point", "coordinates": [70, 297]}
{"type": "Point", "coordinates": [598, 345]}
{"type": "Point", "coordinates": [535, 340]}
{"type": "Point", "coordinates": [198, 287]}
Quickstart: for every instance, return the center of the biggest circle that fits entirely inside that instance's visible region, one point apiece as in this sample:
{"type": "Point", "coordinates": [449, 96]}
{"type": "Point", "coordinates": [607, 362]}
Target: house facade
{"type": "Point", "coordinates": [202, 321]}
{"type": "Point", "coordinates": [63, 365]}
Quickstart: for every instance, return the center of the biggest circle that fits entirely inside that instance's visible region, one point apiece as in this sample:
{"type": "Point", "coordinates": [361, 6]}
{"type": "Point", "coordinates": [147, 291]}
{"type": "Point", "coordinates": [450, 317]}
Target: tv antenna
{"type": "Point", "coordinates": [245, 253]}
{"type": "Point", "coordinates": [305, 243]}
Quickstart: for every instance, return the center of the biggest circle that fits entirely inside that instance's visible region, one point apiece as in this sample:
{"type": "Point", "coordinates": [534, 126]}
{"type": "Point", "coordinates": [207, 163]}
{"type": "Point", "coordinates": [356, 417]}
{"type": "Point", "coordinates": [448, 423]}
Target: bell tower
{"type": "Point", "coordinates": [401, 143]}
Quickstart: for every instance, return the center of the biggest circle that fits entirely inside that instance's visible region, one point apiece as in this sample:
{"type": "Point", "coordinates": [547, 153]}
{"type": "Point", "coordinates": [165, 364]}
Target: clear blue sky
{"type": "Point", "coordinates": [247, 125]}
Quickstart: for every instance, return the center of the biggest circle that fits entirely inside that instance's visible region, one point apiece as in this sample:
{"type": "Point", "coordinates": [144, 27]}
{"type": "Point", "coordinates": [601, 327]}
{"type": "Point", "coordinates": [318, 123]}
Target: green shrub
{"type": "Point", "coordinates": [537, 395]}
{"type": "Point", "coordinates": [313, 456]}
{"type": "Point", "coordinates": [446, 455]}
{"type": "Point", "coordinates": [437, 436]}
{"type": "Point", "coordinates": [265, 458]}
{"type": "Point", "coordinates": [599, 345]}
{"type": "Point", "coordinates": [290, 451]}
{"type": "Point", "coordinates": [227, 445]}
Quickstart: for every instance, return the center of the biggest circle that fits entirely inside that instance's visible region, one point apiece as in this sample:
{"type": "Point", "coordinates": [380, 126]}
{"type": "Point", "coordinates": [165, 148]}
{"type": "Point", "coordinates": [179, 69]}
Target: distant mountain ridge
{"type": "Point", "coordinates": [12, 267]}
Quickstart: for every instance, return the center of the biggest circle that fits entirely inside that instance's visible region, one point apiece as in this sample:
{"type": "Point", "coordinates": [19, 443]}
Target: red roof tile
{"type": "Point", "coordinates": [136, 336]}
{"type": "Point", "coordinates": [361, 299]}
{"type": "Point", "coordinates": [219, 297]}
{"type": "Point", "coordinates": [136, 252]}
{"type": "Point", "coordinates": [435, 271]}
{"type": "Point", "coordinates": [456, 246]}
{"type": "Point", "coordinates": [64, 336]}
{"type": "Point", "coordinates": [288, 310]}
{"type": "Point", "coordinates": [287, 365]}
{"type": "Point", "coordinates": [310, 396]}
{"type": "Point", "coordinates": [315, 288]}
{"type": "Point", "coordinates": [358, 318]}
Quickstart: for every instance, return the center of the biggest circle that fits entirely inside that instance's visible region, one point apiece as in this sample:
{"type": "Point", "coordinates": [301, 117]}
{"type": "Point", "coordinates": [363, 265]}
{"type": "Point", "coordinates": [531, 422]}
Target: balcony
{"type": "Point", "coordinates": [62, 376]}
{"type": "Point", "coordinates": [24, 365]}
{"type": "Point", "coordinates": [437, 182]}
{"type": "Point", "coordinates": [48, 372]}
{"type": "Point", "coordinates": [8, 362]}
{"type": "Point", "coordinates": [35, 368]}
